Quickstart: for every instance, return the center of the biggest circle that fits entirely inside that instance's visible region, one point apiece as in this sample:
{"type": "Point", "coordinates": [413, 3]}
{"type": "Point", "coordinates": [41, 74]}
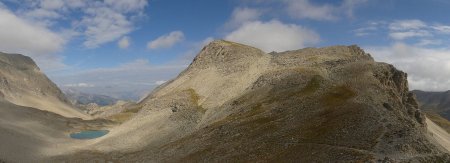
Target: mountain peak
{"type": "Point", "coordinates": [226, 53]}
{"type": "Point", "coordinates": [18, 61]}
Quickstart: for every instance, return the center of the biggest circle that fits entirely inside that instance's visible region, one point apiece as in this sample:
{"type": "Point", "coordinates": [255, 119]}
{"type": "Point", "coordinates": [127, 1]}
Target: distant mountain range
{"type": "Point", "coordinates": [80, 98]}
{"type": "Point", "coordinates": [121, 92]}
{"type": "Point", "coordinates": [436, 102]}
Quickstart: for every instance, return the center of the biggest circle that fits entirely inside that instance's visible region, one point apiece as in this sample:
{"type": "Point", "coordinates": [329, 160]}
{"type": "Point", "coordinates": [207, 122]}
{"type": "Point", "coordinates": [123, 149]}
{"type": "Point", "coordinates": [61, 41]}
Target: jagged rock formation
{"type": "Point", "coordinates": [22, 83]}
{"type": "Point", "coordinates": [235, 103]}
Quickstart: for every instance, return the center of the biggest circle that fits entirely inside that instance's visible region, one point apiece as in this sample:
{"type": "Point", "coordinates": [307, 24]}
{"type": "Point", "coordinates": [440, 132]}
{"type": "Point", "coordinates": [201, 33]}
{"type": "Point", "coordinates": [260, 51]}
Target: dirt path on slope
{"type": "Point", "coordinates": [439, 134]}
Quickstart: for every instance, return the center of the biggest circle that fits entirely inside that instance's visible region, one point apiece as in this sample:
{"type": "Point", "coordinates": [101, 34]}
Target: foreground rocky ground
{"type": "Point", "coordinates": [235, 103]}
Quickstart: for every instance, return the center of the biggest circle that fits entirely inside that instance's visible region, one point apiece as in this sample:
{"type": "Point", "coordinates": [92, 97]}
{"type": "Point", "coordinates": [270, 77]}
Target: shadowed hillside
{"type": "Point", "coordinates": [22, 83]}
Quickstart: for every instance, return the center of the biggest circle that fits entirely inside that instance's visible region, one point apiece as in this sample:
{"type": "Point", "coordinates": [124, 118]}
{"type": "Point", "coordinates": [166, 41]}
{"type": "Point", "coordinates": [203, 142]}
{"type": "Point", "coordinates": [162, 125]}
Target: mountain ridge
{"type": "Point", "coordinates": [23, 83]}
{"type": "Point", "coordinates": [237, 103]}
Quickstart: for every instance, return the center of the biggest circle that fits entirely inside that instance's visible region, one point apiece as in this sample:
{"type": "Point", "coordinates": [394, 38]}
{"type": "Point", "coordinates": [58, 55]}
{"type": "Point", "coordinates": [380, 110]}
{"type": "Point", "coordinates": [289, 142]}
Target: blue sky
{"type": "Point", "coordinates": [119, 48]}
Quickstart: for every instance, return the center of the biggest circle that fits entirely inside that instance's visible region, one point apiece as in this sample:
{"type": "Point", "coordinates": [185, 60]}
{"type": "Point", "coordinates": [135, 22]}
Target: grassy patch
{"type": "Point", "coordinates": [313, 85]}
{"type": "Point", "coordinates": [337, 96]}
{"type": "Point", "coordinates": [134, 109]}
{"type": "Point", "coordinates": [255, 110]}
{"type": "Point", "coordinates": [121, 117]}
{"type": "Point", "coordinates": [196, 98]}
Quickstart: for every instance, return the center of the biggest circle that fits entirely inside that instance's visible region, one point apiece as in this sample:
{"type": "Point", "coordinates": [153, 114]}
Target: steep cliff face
{"type": "Point", "coordinates": [22, 83]}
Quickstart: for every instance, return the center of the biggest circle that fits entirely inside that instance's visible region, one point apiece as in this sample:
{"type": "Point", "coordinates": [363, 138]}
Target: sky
{"type": "Point", "coordinates": [125, 48]}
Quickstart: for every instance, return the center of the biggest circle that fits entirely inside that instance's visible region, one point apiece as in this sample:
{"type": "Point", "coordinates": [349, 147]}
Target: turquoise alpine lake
{"type": "Point", "coordinates": [89, 134]}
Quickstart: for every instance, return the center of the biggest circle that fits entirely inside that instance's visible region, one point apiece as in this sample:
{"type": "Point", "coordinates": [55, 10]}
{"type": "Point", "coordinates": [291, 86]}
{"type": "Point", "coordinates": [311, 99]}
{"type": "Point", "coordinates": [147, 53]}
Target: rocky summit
{"type": "Point", "coordinates": [236, 103]}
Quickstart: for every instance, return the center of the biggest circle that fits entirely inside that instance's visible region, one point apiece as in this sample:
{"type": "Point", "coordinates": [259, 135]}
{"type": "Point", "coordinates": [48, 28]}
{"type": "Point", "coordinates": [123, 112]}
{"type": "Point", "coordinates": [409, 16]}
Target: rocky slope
{"type": "Point", "coordinates": [22, 83]}
{"type": "Point", "coordinates": [235, 103]}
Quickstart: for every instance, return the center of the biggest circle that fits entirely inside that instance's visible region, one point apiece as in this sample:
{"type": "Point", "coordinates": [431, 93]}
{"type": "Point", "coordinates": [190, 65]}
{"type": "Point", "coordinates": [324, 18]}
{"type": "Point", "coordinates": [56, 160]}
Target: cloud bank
{"type": "Point", "coordinates": [42, 28]}
{"type": "Point", "coordinates": [273, 36]}
{"type": "Point", "coordinates": [428, 68]}
{"type": "Point", "coordinates": [166, 41]}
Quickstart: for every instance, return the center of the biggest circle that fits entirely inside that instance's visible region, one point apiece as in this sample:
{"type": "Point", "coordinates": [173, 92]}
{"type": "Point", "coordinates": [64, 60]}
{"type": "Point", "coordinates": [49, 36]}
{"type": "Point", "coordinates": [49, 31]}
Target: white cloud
{"type": "Point", "coordinates": [98, 22]}
{"type": "Point", "coordinates": [407, 25]}
{"type": "Point", "coordinates": [401, 35]}
{"type": "Point", "coordinates": [445, 29]}
{"type": "Point", "coordinates": [30, 39]}
{"type": "Point", "coordinates": [428, 68]}
{"type": "Point", "coordinates": [52, 4]}
{"type": "Point", "coordinates": [370, 28]}
{"type": "Point", "coordinates": [75, 4]}
{"type": "Point", "coordinates": [273, 36]}
{"type": "Point", "coordinates": [39, 34]}
{"type": "Point", "coordinates": [41, 14]}
{"type": "Point", "coordinates": [124, 42]}
{"type": "Point", "coordinates": [418, 31]}
{"type": "Point", "coordinates": [426, 42]}
{"type": "Point", "coordinates": [79, 85]}
{"type": "Point", "coordinates": [304, 9]}
{"type": "Point", "coordinates": [159, 82]}
{"type": "Point", "coordinates": [104, 25]}
{"type": "Point", "coordinates": [127, 5]}
{"type": "Point", "coordinates": [404, 29]}
{"type": "Point", "coordinates": [27, 37]}
{"type": "Point", "coordinates": [242, 15]}
{"type": "Point", "coordinates": [364, 31]}
{"type": "Point", "coordinates": [166, 41]}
